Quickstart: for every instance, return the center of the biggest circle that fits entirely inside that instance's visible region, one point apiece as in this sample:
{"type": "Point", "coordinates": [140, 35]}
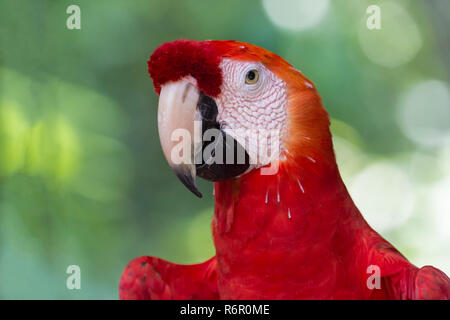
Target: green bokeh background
{"type": "Point", "coordinates": [83, 180]}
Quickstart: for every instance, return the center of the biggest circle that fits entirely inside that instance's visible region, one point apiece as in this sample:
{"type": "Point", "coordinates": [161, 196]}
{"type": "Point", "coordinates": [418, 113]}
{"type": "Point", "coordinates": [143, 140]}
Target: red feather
{"type": "Point", "coordinates": [148, 278]}
{"type": "Point", "coordinates": [293, 235]}
{"type": "Point", "coordinates": [175, 60]}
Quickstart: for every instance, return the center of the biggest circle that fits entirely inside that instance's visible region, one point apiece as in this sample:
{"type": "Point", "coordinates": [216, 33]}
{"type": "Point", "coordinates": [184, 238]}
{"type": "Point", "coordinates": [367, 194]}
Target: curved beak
{"type": "Point", "coordinates": [179, 136]}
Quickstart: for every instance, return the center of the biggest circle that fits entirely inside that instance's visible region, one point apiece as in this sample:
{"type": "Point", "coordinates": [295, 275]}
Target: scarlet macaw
{"type": "Point", "coordinates": [295, 234]}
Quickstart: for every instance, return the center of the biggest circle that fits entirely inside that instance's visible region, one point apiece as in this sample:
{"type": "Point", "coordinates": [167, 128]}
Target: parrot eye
{"type": "Point", "coordinates": [251, 77]}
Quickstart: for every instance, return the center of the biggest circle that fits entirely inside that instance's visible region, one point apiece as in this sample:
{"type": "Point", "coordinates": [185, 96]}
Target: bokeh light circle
{"type": "Point", "coordinates": [439, 202]}
{"type": "Point", "coordinates": [296, 14]}
{"type": "Point", "coordinates": [396, 43]}
{"type": "Point", "coordinates": [384, 195]}
{"type": "Point", "coordinates": [423, 113]}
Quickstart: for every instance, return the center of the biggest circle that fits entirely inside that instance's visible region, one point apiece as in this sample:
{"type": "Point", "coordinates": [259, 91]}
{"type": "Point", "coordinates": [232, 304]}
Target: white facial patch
{"type": "Point", "coordinates": [253, 114]}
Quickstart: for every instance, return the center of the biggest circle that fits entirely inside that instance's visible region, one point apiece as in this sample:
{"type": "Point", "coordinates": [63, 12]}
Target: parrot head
{"type": "Point", "coordinates": [227, 108]}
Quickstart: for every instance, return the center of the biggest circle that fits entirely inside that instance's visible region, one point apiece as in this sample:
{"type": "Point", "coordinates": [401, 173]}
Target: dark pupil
{"type": "Point", "coordinates": [251, 75]}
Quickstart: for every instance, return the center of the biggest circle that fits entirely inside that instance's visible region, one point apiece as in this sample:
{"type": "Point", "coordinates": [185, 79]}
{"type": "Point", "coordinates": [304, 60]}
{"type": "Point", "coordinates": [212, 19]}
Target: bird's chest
{"type": "Point", "coordinates": [260, 271]}
{"type": "Point", "coordinates": [267, 254]}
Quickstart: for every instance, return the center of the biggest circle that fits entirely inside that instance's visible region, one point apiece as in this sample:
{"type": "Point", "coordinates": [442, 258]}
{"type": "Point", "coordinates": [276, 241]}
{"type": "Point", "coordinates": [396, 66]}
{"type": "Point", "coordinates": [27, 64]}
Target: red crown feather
{"type": "Point", "coordinates": [174, 60]}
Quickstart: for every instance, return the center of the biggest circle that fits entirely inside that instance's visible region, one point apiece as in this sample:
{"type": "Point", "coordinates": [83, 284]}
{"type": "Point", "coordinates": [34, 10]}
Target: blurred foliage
{"type": "Point", "coordinates": [82, 177]}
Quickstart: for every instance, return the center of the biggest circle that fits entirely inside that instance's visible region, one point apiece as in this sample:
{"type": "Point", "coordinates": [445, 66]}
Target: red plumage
{"type": "Point", "coordinates": [293, 235]}
{"type": "Point", "coordinates": [175, 60]}
{"type": "Point", "coordinates": [187, 282]}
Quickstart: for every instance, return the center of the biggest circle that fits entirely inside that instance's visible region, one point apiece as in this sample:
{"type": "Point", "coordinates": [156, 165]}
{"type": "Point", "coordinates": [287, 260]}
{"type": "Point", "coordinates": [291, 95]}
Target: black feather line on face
{"type": "Point", "coordinates": [235, 159]}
